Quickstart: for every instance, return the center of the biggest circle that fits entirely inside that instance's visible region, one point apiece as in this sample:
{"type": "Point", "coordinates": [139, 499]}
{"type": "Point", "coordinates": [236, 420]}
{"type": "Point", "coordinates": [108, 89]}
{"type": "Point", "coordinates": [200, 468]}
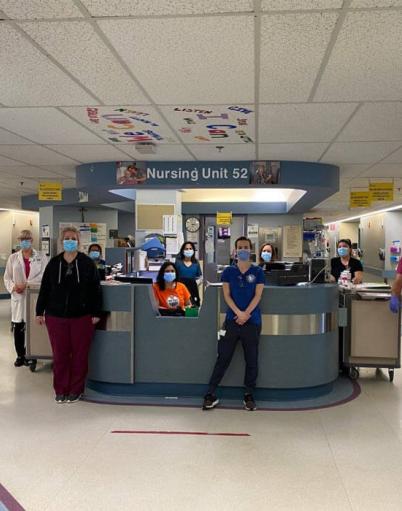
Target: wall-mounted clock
{"type": "Point", "coordinates": [192, 224]}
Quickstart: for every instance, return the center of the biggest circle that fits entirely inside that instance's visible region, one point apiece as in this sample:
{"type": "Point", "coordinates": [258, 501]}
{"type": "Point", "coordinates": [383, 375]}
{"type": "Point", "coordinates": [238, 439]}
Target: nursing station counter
{"type": "Point", "coordinates": [137, 350]}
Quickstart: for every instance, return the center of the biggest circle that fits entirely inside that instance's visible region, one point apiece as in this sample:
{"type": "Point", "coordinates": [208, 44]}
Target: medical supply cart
{"type": "Point", "coordinates": [371, 332]}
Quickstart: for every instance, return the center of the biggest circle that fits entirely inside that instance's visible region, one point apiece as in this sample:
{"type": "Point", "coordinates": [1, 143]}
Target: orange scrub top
{"type": "Point", "coordinates": [172, 298]}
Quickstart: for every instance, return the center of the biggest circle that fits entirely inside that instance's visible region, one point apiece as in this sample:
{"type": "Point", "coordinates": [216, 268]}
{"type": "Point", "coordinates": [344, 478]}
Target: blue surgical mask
{"type": "Point", "coordinates": [188, 253]}
{"type": "Point", "coordinates": [169, 276]}
{"type": "Point", "coordinates": [70, 245]}
{"type": "Point", "coordinates": [94, 254]}
{"type": "Point", "coordinates": [343, 251]}
{"type": "Point", "coordinates": [266, 256]}
{"type": "Point", "coordinates": [243, 254]}
{"type": "Point", "coordinates": [25, 244]}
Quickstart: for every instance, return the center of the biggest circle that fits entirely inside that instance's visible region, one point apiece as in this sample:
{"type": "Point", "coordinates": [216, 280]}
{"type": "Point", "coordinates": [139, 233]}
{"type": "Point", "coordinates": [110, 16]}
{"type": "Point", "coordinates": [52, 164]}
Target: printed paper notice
{"type": "Point", "coordinates": [292, 241]}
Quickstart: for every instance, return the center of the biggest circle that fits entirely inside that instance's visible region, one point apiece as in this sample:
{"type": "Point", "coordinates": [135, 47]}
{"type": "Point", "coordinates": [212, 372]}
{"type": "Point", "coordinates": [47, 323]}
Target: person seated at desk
{"type": "Point", "coordinates": [346, 262]}
{"type": "Point", "coordinates": [189, 270]}
{"type": "Point", "coordinates": [171, 295]}
{"type": "Point", "coordinates": [267, 255]}
{"type": "Point", "coordinates": [95, 253]}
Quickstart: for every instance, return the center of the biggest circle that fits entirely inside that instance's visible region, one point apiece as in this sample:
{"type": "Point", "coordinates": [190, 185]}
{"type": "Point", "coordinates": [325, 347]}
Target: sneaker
{"type": "Point", "coordinates": [210, 401]}
{"type": "Point", "coordinates": [19, 361]}
{"type": "Point", "coordinates": [73, 398]}
{"type": "Point", "coordinates": [249, 403]}
{"type": "Point", "coordinates": [60, 398]}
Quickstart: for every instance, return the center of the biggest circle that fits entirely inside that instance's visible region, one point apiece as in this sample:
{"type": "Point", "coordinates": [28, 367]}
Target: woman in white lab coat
{"type": "Point", "coordinates": [23, 268]}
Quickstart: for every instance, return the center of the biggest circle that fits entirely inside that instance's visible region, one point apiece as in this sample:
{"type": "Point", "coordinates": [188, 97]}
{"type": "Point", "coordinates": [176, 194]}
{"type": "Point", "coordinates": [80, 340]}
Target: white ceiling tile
{"type": "Point", "coordinates": [374, 121]}
{"type": "Point", "coordinates": [63, 170]}
{"type": "Point", "coordinates": [292, 49]}
{"type": "Point", "coordinates": [294, 5]}
{"type": "Point", "coordinates": [375, 3]}
{"type": "Point", "coordinates": [396, 157]}
{"type": "Point", "coordinates": [34, 154]}
{"type": "Point", "coordinates": [163, 152]}
{"type": "Point", "coordinates": [358, 152]}
{"type": "Point", "coordinates": [384, 170]}
{"type": "Point", "coordinates": [365, 63]}
{"type": "Point", "coordinates": [299, 152]}
{"type": "Point", "coordinates": [164, 7]}
{"type": "Point", "coordinates": [45, 126]}
{"type": "Point", "coordinates": [302, 123]}
{"type": "Point", "coordinates": [81, 51]}
{"type": "Point", "coordinates": [214, 124]}
{"type": "Point", "coordinates": [6, 161]}
{"type": "Point", "coordinates": [28, 171]}
{"type": "Point", "coordinates": [350, 171]}
{"type": "Point", "coordinates": [39, 9]}
{"type": "Point", "coordinates": [31, 79]}
{"type": "Point", "coordinates": [125, 124]}
{"type": "Point", "coordinates": [90, 153]}
{"type": "Point", "coordinates": [229, 152]}
{"type": "Point", "coordinates": [9, 138]}
{"type": "Point", "coordinates": [213, 63]}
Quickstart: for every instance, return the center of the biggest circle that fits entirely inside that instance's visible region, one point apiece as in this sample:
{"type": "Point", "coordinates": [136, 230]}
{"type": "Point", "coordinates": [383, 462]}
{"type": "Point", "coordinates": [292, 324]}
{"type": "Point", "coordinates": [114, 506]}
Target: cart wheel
{"type": "Point", "coordinates": [354, 373]}
{"type": "Point", "coordinates": [391, 375]}
{"type": "Point", "coordinates": [32, 365]}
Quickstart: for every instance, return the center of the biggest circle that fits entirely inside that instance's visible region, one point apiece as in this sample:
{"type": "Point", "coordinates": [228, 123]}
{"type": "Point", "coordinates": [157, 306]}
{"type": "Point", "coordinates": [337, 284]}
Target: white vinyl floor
{"type": "Point", "coordinates": [64, 457]}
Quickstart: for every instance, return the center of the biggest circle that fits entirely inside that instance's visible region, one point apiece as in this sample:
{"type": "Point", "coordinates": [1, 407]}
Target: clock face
{"type": "Point", "coordinates": [192, 224]}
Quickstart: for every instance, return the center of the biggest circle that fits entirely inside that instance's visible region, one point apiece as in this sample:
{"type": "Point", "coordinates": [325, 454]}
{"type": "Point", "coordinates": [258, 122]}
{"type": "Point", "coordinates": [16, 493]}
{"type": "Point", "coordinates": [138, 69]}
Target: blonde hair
{"type": "Point", "coordinates": [25, 234]}
{"type": "Point", "coordinates": [70, 228]}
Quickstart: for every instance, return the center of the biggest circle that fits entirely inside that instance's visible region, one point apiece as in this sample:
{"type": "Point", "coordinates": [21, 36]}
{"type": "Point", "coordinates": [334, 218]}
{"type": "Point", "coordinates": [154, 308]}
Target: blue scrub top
{"type": "Point", "coordinates": [242, 289]}
{"type": "Point", "coordinates": [189, 272]}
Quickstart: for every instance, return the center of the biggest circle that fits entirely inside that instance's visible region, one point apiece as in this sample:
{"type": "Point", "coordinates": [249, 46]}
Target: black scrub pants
{"type": "Point", "coordinates": [249, 335]}
{"type": "Point", "coordinates": [19, 338]}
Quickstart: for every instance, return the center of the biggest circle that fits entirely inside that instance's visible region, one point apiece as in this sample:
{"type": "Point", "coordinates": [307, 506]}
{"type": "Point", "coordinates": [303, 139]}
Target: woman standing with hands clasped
{"type": "Point", "coordinates": [69, 303]}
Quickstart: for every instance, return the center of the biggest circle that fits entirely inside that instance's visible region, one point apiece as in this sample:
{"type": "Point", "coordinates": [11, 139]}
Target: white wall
{"type": "Point", "coordinates": [349, 231]}
{"type": "Point", "coordinates": [372, 238]}
{"type": "Point", "coordinates": [12, 222]}
{"type": "Point", "coordinates": [393, 232]}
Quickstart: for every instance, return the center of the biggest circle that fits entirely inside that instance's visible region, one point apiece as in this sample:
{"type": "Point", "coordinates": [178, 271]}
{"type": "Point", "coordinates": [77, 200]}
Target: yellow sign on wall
{"type": "Point", "coordinates": [360, 199]}
{"type": "Point", "coordinates": [223, 218]}
{"type": "Point", "coordinates": [49, 190]}
{"type": "Point", "coordinates": [382, 192]}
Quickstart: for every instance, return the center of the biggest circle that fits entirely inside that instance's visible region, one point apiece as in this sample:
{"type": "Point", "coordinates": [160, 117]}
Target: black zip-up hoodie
{"type": "Point", "coordinates": [70, 290]}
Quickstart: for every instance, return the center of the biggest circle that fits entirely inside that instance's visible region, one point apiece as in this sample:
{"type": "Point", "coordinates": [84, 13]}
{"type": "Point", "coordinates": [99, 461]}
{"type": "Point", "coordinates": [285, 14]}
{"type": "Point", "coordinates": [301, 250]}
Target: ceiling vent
{"type": "Point", "coordinates": [146, 147]}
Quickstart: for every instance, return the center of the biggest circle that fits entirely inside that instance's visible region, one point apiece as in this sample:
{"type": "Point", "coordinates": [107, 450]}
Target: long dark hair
{"type": "Point", "coordinates": [273, 251]}
{"type": "Point", "coordinates": [180, 255]}
{"type": "Point", "coordinates": [159, 279]}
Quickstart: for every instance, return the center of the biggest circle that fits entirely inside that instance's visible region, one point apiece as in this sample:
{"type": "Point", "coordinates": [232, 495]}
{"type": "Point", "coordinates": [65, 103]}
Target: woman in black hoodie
{"type": "Point", "coordinates": [69, 303]}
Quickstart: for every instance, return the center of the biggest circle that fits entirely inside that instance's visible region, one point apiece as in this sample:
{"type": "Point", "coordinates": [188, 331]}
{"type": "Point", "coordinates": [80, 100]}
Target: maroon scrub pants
{"type": "Point", "coordinates": [70, 339]}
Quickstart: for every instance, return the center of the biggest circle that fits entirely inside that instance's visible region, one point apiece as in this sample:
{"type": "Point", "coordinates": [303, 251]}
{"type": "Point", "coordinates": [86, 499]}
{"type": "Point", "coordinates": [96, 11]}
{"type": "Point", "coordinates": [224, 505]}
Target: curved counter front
{"type": "Point", "coordinates": [140, 349]}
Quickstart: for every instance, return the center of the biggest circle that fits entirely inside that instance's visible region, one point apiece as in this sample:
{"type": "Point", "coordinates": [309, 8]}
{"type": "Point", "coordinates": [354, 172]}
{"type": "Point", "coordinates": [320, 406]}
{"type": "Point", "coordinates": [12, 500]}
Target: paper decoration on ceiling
{"type": "Point", "coordinates": [216, 124]}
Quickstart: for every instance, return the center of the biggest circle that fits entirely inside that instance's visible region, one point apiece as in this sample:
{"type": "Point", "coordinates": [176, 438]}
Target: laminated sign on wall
{"type": "Point", "coordinates": [382, 192]}
{"type": "Point", "coordinates": [360, 199]}
{"type": "Point", "coordinates": [50, 191]}
{"type": "Point", "coordinates": [224, 218]}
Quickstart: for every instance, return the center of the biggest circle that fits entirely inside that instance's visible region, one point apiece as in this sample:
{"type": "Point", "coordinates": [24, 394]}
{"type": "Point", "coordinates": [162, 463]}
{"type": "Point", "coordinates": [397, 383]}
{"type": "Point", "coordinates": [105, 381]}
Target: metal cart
{"type": "Point", "coordinates": [37, 341]}
{"type": "Point", "coordinates": [372, 334]}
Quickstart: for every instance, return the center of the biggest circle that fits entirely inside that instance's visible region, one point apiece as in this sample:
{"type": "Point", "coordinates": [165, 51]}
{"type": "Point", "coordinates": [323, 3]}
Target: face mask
{"type": "Point", "coordinates": [94, 254]}
{"type": "Point", "coordinates": [25, 244]}
{"type": "Point", "coordinates": [243, 254]}
{"type": "Point", "coordinates": [343, 251]}
{"type": "Point", "coordinates": [266, 256]}
{"type": "Point", "coordinates": [169, 276]}
{"type": "Point", "coordinates": [188, 253]}
{"type": "Point", "coordinates": [70, 245]}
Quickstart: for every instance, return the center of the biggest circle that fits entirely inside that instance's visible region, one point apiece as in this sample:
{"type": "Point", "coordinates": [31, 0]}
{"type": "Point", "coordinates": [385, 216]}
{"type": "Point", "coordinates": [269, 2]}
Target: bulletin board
{"type": "Point", "coordinates": [150, 216]}
{"type": "Point", "coordinates": [90, 232]}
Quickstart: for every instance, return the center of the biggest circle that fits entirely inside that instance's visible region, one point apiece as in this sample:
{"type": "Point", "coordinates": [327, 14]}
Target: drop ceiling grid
{"type": "Point", "coordinates": [78, 48]}
{"type": "Point", "coordinates": [292, 49]}
{"type": "Point", "coordinates": [37, 9]}
{"type": "Point", "coordinates": [203, 69]}
{"type": "Point", "coordinates": [40, 82]}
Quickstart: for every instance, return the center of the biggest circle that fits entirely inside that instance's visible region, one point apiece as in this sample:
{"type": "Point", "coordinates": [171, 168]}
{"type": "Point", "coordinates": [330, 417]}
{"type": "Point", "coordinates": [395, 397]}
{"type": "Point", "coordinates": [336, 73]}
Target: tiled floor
{"type": "Point", "coordinates": [64, 457]}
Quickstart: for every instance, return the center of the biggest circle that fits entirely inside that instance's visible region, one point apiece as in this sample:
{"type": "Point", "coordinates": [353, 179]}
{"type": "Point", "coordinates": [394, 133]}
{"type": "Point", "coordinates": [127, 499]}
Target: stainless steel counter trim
{"type": "Point", "coordinates": [298, 324]}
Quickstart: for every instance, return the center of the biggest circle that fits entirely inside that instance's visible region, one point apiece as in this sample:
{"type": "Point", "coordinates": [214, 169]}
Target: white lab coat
{"type": "Point", "coordinates": [15, 274]}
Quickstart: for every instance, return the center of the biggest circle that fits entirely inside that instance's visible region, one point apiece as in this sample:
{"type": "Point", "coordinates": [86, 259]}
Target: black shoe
{"type": "Point", "coordinates": [19, 361]}
{"type": "Point", "coordinates": [249, 403]}
{"type": "Point", "coordinates": [73, 398]}
{"type": "Point", "coordinates": [210, 401]}
{"type": "Point", "coordinates": [60, 398]}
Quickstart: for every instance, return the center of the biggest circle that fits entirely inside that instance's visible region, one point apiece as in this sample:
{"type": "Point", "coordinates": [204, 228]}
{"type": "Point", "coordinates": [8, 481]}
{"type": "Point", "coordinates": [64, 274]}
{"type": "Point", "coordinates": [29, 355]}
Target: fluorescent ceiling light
{"type": "Point", "coordinates": [357, 217]}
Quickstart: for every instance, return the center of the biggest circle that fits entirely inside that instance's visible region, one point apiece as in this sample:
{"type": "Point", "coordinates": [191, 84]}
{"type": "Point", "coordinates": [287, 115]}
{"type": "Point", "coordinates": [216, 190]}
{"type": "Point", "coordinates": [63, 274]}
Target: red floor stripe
{"type": "Point", "coordinates": [202, 433]}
